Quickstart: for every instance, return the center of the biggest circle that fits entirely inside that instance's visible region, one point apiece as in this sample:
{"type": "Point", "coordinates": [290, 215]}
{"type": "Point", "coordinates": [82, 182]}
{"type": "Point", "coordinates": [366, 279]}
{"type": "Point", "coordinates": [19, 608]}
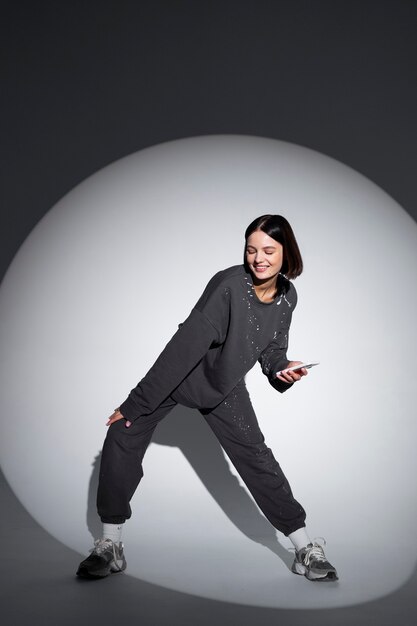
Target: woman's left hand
{"type": "Point", "coordinates": [292, 377]}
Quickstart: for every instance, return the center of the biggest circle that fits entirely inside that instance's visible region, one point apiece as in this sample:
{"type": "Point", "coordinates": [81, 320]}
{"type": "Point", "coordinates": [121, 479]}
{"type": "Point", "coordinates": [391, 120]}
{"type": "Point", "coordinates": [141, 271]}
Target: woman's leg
{"type": "Point", "coordinates": [121, 463]}
{"type": "Point", "coordinates": [235, 425]}
{"type": "Point", "coordinates": [120, 473]}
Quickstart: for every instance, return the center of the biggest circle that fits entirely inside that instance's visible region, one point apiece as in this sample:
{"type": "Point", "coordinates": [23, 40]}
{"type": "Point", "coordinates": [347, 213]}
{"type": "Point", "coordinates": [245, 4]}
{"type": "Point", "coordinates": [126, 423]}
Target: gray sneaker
{"type": "Point", "coordinates": [312, 563]}
{"type": "Point", "coordinates": [106, 558]}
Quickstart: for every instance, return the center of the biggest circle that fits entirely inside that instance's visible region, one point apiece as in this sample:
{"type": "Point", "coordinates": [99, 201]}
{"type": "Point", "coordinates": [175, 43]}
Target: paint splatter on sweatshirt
{"type": "Point", "coordinates": [228, 330]}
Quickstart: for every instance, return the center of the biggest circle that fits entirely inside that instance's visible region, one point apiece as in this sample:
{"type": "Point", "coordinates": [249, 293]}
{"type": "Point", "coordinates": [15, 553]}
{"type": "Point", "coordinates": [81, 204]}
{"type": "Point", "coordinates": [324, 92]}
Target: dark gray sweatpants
{"type": "Point", "coordinates": [236, 427]}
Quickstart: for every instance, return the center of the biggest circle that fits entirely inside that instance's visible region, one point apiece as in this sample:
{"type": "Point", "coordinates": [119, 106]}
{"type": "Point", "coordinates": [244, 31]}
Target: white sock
{"type": "Point", "coordinates": [299, 538]}
{"type": "Point", "coordinates": [113, 532]}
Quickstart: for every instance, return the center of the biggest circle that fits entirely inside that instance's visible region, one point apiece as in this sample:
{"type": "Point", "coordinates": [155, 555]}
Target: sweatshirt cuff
{"type": "Point", "coordinates": [278, 384]}
{"type": "Point", "coordinates": [128, 410]}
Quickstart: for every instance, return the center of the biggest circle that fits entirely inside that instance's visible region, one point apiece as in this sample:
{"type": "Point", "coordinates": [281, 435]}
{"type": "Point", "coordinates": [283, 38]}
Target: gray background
{"type": "Point", "coordinates": [87, 83]}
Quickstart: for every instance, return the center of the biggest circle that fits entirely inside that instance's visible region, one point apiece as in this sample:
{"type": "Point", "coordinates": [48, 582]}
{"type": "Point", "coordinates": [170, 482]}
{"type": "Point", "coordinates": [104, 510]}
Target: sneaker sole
{"type": "Point", "coordinates": [113, 569]}
{"type": "Point", "coordinates": [87, 574]}
{"type": "Point", "coordinates": [301, 570]}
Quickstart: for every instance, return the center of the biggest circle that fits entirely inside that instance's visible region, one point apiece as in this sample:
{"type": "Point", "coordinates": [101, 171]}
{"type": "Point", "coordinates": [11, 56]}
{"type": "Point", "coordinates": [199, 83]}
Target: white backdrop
{"type": "Point", "coordinates": [99, 287]}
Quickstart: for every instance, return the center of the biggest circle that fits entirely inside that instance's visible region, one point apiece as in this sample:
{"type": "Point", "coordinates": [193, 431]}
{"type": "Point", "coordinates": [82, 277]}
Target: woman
{"type": "Point", "coordinates": [243, 316]}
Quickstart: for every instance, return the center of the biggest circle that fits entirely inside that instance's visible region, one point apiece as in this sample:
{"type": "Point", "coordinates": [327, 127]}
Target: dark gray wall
{"type": "Point", "coordinates": [85, 83]}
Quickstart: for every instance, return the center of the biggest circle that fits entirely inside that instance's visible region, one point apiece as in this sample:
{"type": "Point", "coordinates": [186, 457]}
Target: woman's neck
{"type": "Point", "coordinates": [265, 289]}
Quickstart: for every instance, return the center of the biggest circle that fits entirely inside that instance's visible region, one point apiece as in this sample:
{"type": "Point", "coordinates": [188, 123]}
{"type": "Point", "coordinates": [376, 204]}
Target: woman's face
{"type": "Point", "coordinates": [264, 255]}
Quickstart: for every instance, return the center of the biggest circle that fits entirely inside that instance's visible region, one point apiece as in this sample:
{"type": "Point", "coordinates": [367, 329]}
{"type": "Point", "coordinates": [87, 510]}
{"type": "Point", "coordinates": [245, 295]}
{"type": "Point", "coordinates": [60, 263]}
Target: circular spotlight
{"type": "Point", "coordinates": [100, 286]}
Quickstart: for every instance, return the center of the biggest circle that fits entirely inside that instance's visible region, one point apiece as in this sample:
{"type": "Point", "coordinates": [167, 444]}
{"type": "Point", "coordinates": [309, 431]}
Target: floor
{"type": "Point", "coordinates": [38, 586]}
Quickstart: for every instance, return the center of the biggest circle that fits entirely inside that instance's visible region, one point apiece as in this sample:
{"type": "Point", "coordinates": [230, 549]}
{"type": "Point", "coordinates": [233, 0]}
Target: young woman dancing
{"type": "Point", "coordinates": [243, 316]}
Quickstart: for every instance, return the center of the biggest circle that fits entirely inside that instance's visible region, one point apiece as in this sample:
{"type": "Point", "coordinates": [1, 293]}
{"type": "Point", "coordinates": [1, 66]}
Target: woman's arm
{"type": "Point", "coordinates": [181, 354]}
{"type": "Point", "coordinates": [274, 359]}
{"type": "Point", "coordinates": [205, 324]}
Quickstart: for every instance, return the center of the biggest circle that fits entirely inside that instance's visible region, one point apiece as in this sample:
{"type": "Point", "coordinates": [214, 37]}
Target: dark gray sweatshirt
{"type": "Point", "coordinates": [227, 331]}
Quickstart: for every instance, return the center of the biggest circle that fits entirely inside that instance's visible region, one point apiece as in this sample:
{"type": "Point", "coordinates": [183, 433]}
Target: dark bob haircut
{"type": "Point", "coordinates": [279, 229]}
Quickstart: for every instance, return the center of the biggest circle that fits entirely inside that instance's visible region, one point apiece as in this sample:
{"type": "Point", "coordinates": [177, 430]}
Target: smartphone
{"type": "Point", "coordinates": [298, 367]}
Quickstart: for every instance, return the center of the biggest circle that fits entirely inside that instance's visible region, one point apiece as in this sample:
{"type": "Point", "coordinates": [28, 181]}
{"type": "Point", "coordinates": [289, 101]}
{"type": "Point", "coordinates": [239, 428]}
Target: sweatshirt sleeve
{"type": "Point", "coordinates": [181, 354]}
{"type": "Point", "coordinates": [274, 357]}
{"type": "Point", "coordinates": [272, 360]}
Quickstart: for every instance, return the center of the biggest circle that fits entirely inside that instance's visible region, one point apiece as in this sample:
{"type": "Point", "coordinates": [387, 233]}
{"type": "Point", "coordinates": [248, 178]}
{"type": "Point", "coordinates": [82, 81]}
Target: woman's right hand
{"type": "Point", "coordinates": [292, 377]}
{"type": "Point", "coordinates": [115, 417]}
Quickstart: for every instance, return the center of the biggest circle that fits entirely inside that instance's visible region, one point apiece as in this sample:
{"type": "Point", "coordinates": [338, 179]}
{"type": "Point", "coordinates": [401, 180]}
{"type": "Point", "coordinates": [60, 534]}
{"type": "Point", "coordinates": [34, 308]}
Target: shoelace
{"type": "Point", "coordinates": [315, 552]}
{"type": "Point", "coordinates": [101, 545]}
